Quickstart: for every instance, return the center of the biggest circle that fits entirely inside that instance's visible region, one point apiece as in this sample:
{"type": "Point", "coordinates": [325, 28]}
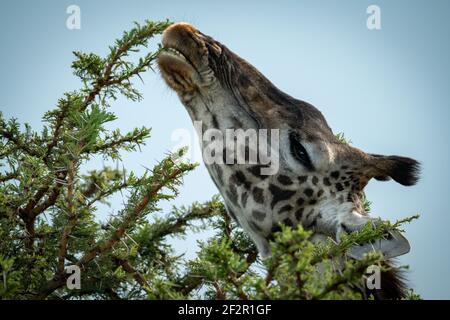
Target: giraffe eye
{"type": "Point", "coordinates": [299, 151]}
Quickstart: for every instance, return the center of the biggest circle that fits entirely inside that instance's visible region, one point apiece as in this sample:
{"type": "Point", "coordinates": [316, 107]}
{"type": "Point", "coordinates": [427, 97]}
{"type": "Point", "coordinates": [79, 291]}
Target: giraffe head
{"type": "Point", "coordinates": [320, 180]}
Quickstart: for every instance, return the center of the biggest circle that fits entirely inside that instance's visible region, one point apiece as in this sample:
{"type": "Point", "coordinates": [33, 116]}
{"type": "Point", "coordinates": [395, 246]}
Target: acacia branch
{"type": "Point", "coordinates": [131, 138]}
{"type": "Point", "coordinates": [119, 232]}
{"type": "Point", "coordinates": [127, 267]}
{"type": "Point", "coordinates": [8, 176]}
{"type": "Point", "coordinates": [71, 215]}
{"type": "Point", "coordinates": [18, 143]}
{"type": "Point", "coordinates": [60, 277]}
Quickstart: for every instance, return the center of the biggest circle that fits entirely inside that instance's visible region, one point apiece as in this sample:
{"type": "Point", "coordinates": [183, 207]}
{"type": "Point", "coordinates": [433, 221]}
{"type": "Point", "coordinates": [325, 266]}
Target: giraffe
{"type": "Point", "coordinates": [319, 180]}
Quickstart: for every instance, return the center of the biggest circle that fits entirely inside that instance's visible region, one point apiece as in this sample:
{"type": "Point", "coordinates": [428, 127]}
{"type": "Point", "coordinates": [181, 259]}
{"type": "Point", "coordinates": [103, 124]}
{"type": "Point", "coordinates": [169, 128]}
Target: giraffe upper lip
{"type": "Point", "coordinates": [171, 51]}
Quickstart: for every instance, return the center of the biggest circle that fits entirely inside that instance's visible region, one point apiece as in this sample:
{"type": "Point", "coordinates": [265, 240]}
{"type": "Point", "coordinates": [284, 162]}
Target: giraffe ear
{"type": "Point", "coordinates": [394, 245]}
{"type": "Point", "coordinates": [382, 178]}
{"type": "Point", "coordinates": [403, 170]}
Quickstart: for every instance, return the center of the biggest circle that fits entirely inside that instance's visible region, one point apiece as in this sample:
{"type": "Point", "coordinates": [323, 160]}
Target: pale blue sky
{"type": "Point", "coordinates": [388, 90]}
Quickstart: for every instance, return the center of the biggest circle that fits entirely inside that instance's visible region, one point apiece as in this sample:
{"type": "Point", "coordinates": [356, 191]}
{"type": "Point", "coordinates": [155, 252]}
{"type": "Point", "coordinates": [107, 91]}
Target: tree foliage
{"type": "Point", "coordinates": [48, 207]}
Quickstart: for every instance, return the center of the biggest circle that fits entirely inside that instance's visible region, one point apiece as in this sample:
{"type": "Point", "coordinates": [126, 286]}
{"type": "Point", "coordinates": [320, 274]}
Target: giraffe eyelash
{"type": "Point", "coordinates": [299, 152]}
